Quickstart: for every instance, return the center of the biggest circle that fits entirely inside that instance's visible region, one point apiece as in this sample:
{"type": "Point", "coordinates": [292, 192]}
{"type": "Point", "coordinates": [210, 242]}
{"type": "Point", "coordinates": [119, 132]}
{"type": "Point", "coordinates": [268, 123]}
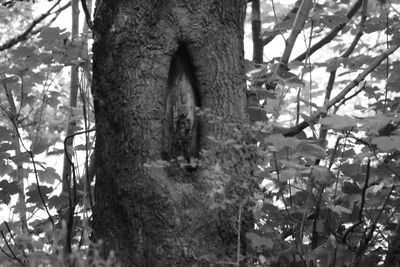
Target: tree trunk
{"type": "Point", "coordinates": [258, 46]}
{"type": "Point", "coordinates": [157, 215]}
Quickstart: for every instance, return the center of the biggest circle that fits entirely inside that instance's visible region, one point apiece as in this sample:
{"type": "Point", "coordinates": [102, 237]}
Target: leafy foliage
{"type": "Point", "coordinates": [322, 143]}
{"type": "Point", "coordinates": [329, 195]}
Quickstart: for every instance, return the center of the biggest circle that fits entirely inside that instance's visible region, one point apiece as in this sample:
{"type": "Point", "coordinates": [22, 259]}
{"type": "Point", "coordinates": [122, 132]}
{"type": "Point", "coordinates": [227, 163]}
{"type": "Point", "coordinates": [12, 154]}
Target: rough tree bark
{"type": "Point", "coordinates": [153, 215]}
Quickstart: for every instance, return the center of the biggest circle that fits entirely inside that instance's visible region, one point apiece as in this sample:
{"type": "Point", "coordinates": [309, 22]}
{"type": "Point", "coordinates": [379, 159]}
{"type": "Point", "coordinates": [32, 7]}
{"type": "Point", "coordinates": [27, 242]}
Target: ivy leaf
{"type": "Point", "coordinates": [259, 241]}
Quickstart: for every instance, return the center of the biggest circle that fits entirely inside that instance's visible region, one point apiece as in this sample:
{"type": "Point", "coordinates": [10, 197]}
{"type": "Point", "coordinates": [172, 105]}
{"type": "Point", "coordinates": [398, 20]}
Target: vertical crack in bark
{"type": "Point", "coordinates": [181, 125]}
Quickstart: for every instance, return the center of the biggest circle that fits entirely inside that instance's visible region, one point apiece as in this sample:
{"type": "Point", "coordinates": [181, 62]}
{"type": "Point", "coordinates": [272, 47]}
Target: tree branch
{"type": "Point", "coordinates": [298, 25]}
{"type": "Point", "coordinates": [292, 131]}
{"type": "Point", "coordinates": [346, 54]}
{"type": "Point", "coordinates": [329, 37]}
{"type": "Point", "coordinates": [276, 30]}
{"type": "Point", "coordinates": [87, 14]}
{"type": "Point", "coordinates": [24, 35]}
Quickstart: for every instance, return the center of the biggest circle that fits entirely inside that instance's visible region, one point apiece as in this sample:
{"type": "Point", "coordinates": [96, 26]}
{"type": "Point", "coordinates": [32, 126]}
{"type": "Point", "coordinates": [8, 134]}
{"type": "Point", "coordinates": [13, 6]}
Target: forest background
{"type": "Point", "coordinates": [324, 131]}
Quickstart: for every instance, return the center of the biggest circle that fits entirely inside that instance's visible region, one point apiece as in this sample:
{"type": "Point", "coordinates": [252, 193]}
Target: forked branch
{"type": "Point", "coordinates": [298, 128]}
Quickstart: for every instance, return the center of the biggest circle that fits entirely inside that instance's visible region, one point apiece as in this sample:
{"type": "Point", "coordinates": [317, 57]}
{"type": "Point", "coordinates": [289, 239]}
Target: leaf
{"type": "Point", "coordinates": [49, 35]}
{"type": "Point", "coordinates": [268, 229]}
{"type": "Point", "coordinates": [331, 21]}
{"type": "Point", "coordinates": [5, 168]}
{"type": "Point", "coordinates": [49, 175]}
{"type": "Point", "coordinates": [375, 123]}
{"type": "Point", "coordinates": [279, 141]}
{"type": "Point", "coordinates": [34, 195]}
{"type": "Point", "coordinates": [333, 64]}
{"type": "Point", "coordinates": [41, 226]}
{"type": "Point", "coordinates": [58, 202]}
{"type": "Point", "coordinates": [21, 158]}
{"type": "Point", "coordinates": [41, 145]}
{"type": "Point", "coordinates": [393, 82]}
{"type": "Point", "coordinates": [387, 143]}
{"type": "Point", "coordinates": [371, 92]}
{"type": "Point", "coordinates": [7, 190]}
{"type": "Point", "coordinates": [5, 134]}
{"type": "Point", "coordinates": [8, 80]}
{"type": "Point", "coordinates": [339, 122]}
{"type": "Point", "coordinates": [374, 24]}
{"type": "Point", "coordinates": [350, 170]}
{"type": "Point", "coordinates": [23, 51]}
{"type": "Point", "coordinates": [350, 188]}
{"type": "Point", "coordinates": [262, 93]}
{"type": "Point", "coordinates": [10, 187]}
{"type": "Point", "coordinates": [339, 209]}
{"type": "Point", "coordinates": [287, 174]}
{"type": "Point", "coordinates": [313, 151]}
{"type": "Point", "coordinates": [291, 79]}
{"type": "Point", "coordinates": [322, 175]}
{"type": "Point", "coordinates": [259, 241]}
{"type": "Point", "coordinates": [257, 114]}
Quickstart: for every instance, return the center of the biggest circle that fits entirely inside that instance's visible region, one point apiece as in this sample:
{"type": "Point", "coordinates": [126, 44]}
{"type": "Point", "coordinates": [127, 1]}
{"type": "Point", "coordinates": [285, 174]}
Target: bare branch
{"type": "Point", "coordinates": [346, 54]}
{"type": "Point", "coordinates": [277, 30]}
{"type": "Point", "coordinates": [24, 35]}
{"type": "Point", "coordinates": [298, 128]}
{"type": "Point", "coordinates": [87, 14]}
{"type": "Point", "coordinates": [329, 37]}
{"type": "Point", "coordinates": [298, 25]}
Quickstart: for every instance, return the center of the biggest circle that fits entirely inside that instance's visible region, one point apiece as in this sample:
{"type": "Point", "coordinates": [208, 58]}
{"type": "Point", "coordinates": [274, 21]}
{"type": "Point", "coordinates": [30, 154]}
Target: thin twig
{"type": "Point", "coordinates": [298, 25]}
{"type": "Point", "coordinates": [23, 36]}
{"type": "Point", "coordinates": [277, 23]}
{"type": "Point", "coordinates": [10, 249]}
{"type": "Point", "coordinates": [12, 237]}
{"type": "Point", "coordinates": [344, 100]}
{"type": "Point", "coordinates": [292, 131]}
{"type": "Point", "coordinates": [329, 37]}
{"type": "Point", "coordinates": [238, 236]}
{"type": "Point", "coordinates": [277, 29]}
